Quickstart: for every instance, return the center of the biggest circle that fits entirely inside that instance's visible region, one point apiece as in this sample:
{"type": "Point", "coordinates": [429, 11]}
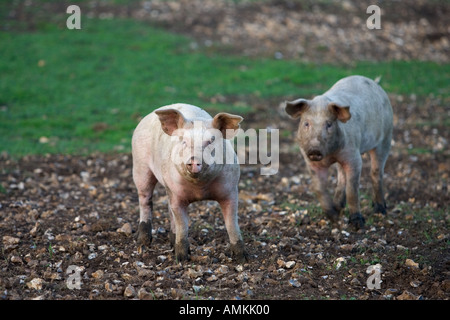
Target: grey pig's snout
{"type": "Point", "coordinates": [314, 155]}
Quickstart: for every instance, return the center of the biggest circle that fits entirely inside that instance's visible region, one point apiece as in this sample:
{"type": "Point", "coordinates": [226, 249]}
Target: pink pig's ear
{"type": "Point", "coordinates": [227, 123]}
{"type": "Point", "coordinates": [171, 120]}
{"type": "Point", "coordinates": [342, 113]}
{"type": "Point", "coordinates": [295, 108]}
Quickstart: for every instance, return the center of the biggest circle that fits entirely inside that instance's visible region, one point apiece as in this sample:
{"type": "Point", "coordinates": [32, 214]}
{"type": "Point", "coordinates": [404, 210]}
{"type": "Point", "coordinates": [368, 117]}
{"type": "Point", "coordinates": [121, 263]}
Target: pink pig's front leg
{"type": "Point", "coordinates": [229, 211]}
{"type": "Point", "coordinates": [179, 228]}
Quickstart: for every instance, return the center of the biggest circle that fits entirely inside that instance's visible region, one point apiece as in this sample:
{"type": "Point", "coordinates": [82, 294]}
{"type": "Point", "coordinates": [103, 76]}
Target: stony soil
{"type": "Point", "coordinates": [60, 212]}
{"type": "Point", "coordinates": [313, 31]}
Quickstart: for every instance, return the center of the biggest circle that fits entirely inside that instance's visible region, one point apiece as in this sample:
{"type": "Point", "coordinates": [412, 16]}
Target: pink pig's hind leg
{"type": "Point", "coordinates": [145, 182]}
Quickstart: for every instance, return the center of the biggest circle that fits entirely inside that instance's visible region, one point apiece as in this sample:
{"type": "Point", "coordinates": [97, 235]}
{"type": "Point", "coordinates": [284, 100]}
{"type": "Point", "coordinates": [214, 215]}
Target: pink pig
{"type": "Point", "coordinates": [182, 147]}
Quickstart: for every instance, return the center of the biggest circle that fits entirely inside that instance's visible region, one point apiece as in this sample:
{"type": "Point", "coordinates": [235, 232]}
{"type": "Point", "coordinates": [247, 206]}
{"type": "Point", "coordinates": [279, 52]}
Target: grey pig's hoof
{"type": "Point", "coordinates": [144, 234]}
{"type": "Point", "coordinates": [357, 221]}
{"type": "Point", "coordinates": [238, 252]}
{"type": "Point", "coordinates": [182, 251]}
{"type": "Point", "coordinates": [333, 215]}
{"type": "Point", "coordinates": [379, 208]}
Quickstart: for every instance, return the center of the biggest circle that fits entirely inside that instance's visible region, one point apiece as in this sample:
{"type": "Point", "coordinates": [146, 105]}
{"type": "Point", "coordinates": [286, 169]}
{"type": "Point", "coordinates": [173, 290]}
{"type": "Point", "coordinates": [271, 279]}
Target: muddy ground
{"type": "Point", "coordinates": [60, 211]}
{"type": "Point", "coordinates": [69, 218]}
{"type": "Point", "coordinates": [313, 31]}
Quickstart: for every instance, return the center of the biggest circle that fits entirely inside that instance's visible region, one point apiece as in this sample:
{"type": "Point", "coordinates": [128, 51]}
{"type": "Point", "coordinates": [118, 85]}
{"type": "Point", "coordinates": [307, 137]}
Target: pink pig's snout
{"type": "Point", "coordinates": [194, 165]}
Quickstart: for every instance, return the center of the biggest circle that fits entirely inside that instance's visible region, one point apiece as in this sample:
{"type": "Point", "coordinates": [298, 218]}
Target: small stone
{"type": "Point", "coordinates": [162, 258]}
{"type": "Point", "coordinates": [35, 229]}
{"type": "Point", "coordinates": [223, 269]}
{"type": "Point", "coordinates": [10, 243]}
{"type": "Point", "coordinates": [179, 293]}
{"type": "Point", "coordinates": [16, 259]}
{"type": "Point", "coordinates": [129, 291]}
{"type": "Point", "coordinates": [197, 289]}
{"type": "Point", "coordinates": [110, 287]}
{"type": "Point", "coordinates": [94, 294]}
{"type": "Point", "coordinates": [126, 276]}
{"type": "Point", "coordinates": [125, 229]}
{"type": "Point", "coordinates": [248, 293]}
{"type": "Point", "coordinates": [406, 295]}
{"type": "Point", "coordinates": [239, 268]}
{"type": "Point", "coordinates": [281, 263]}
{"type": "Point", "coordinates": [345, 233]}
{"type": "Point", "coordinates": [295, 283]}
{"type": "Point", "coordinates": [98, 274]}
{"type": "Point", "coordinates": [290, 264]}
{"type": "Point", "coordinates": [212, 278]}
{"type": "Point", "coordinates": [193, 274]}
{"type": "Point", "coordinates": [347, 247]}
{"type": "Point", "coordinates": [446, 285]}
{"type": "Point", "coordinates": [144, 294]}
{"type": "Point", "coordinates": [159, 294]}
{"type": "Point", "coordinates": [389, 293]}
{"type": "Point", "coordinates": [415, 283]}
{"type": "Point", "coordinates": [410, 263]}
{"type": "Point", "coordinates": [35, 284]}
{"type": "Point", "coordinates": [322, 223]}
{"type": "Point", "coordinates": [355, 282]}
{"type": "Point", "coordinates": [339, 262]}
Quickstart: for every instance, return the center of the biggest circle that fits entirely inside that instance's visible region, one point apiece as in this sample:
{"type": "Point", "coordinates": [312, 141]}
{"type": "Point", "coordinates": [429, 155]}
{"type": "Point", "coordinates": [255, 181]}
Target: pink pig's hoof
{"type": "Point", "coordinates": [144, 234]}
{"type": "Point", "coordinates": [357, 221]}
{"type": "Point", "coordinates": [238, 252]}
{"type": "Point", "coordinates": [333, 214]}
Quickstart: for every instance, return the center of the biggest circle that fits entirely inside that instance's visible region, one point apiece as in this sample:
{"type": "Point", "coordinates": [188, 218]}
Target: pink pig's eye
{"type": "Point", "coordinates": [306, 124]}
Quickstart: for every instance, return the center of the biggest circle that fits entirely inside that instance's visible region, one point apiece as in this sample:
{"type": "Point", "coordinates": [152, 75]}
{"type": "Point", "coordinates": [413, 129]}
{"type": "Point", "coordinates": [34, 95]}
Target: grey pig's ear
{"type": "Point", "coordinates": [342, 112]}
{"type": "Point", "coordinates": [295, 108]}
{"type": "Point", "coordinates": [171, 120]}
{"type": "Point", "coordinates": [227, 123]}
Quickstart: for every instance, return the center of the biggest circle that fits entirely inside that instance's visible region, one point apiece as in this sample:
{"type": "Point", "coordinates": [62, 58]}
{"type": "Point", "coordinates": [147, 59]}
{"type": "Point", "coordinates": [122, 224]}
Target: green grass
{"type": "Point", "coordinates": [84, 90]}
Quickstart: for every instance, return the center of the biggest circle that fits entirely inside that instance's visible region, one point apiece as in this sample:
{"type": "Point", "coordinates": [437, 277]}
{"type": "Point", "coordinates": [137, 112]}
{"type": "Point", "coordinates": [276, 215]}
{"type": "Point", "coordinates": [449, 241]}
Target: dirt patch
{"type": "Point", "coordinates": [67, 216]}
{"type": "Point", "coordinates": [311, 31]}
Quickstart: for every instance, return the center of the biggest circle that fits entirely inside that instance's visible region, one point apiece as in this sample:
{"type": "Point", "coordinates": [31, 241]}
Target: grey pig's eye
{"type": "Point", "coordinates": [329, 124]}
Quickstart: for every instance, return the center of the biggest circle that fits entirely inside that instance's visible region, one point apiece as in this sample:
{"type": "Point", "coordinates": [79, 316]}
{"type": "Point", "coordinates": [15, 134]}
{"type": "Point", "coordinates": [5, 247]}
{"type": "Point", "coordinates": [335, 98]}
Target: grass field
{"type": "Point", "coordinates": [80, 91]}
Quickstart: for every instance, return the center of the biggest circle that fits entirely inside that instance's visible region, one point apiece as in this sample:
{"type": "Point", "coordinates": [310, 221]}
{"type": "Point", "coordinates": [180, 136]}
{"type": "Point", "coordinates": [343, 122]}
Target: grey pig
{"type": "Point", "coordinates": [168, 146]}
{"type": "Point", "coordinates": [353, 117]}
